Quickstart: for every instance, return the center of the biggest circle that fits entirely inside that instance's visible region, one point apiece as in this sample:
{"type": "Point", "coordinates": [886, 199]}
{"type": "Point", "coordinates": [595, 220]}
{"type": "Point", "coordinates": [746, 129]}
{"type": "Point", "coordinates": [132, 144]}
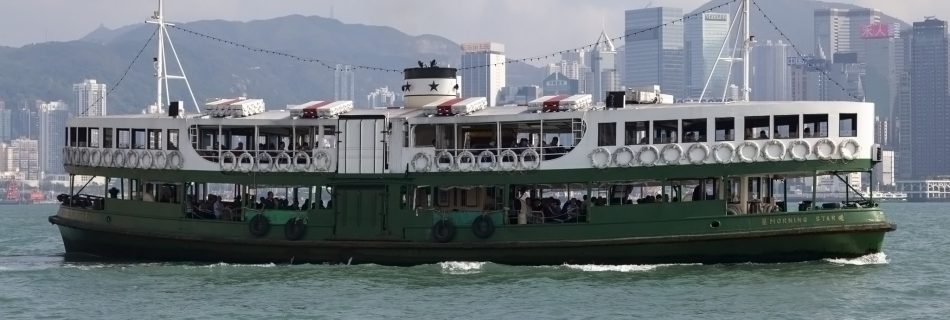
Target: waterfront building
{"type": "Point", "coordinates": [770, 72]}
{"type": "Point", "coordinates": [654, 56]}
{"type": "Point", "coordinates": [53, 116]}
{"type": "Point", "coordinates": [603, 74]}
{"type": "Point", "coordinates": [90, 98]}
{"type": "Point", "coordinates": [930, 88]}
{"type": "Point", "coordinates": [704, 36]}
{"type": "Point", "coordinates": [483, 70]}
{"type": "Point", "coordinates": [381, 98]}
{"type": "Point", "coordinates": [344, 82]}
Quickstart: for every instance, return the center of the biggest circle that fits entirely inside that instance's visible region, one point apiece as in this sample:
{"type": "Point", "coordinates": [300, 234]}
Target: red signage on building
{"type": "Point", "coordinates": [876, 31]}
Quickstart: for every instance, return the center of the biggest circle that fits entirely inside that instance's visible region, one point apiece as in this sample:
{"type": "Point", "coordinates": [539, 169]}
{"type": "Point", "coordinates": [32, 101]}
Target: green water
{"type": "Point", "coordinates": [912, 281]}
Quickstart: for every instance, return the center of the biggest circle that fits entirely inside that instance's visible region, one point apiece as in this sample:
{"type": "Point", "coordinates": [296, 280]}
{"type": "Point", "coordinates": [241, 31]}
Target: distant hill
{"type": "Point", "coordinates": [48, 70]}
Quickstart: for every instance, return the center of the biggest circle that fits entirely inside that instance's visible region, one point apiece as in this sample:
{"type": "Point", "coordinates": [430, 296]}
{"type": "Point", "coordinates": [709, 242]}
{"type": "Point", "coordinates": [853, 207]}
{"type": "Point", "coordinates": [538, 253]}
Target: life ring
{"type": "Point", "coordinates": [259, 225]}
{"type": "Point", "coordinates": [161, 161]}
{"type": "Point", "coordinates": [692, 151]}
{"type": "Point", "coordinates": [84, 156]}
{"type": "Point", "coordinates": [717, 154]}
{"type": "Point", "coordinates": [648, 156]}
{"type": "Point", "coordinates": [465, 161]}
{"type": "Point", "coordinates": [106, 158]}
{"type": "Point", "coordinates": [245, 162]}
{"type": "Point", "coordinates": [265, 162]}
{"type": "Point", "coordinates": [740, 151]}
{"type": "Point", "coordinates": [666, 153]}
{"type": "Point", "coordinates": [118, 159]}
{"type": "Point", "coordinates": [282, 162]}
{"type": "Point", "coordinates": [533, 163]}
{"type": "Point", "coordinates": [492, 160]}
{"type": "Point", "coordinates": [508, 154]}
{"type": "Point", "coordinates": [824, 149]}
{"type": "Point", "coordinates": [145, 160]}
{"type": "Point", "coordinates": [773, 144]}
{"type": "Point", "coordinates": [444, 161]}
{"type": "Point", "coordinates": [795, 146]}
{"type": "Point", "coordinates": [131, 159]}
{"type": "Point", "coordinates": [77, 156]}
{"type": "Point", "coordinates": [600, 158]}
{"type": "Point", "coordinates": [421, 162]}
{"type": "Point", "coordinates": [66, 156]}
{"type": "Point", "coordinates": [302, 161]}
{"type": "Point", "coordinates": [175, 160]}
{"type": "Point", "coordinates": [483, 227]}
{"type": "Point", "coordinates": [624, 157]}
{"type": "Point", "coordinates": [228, 161]}
{"type": "Point", "coordinates": [321, 161]}
{"type": "Point", "coordinates": [295, 229]}
{"type": "Point", "coordinates": [95, 158]}
{"type": "Point", "coordinates": [849, 149]}
{"type": "Point", "coordinates": [443, 231]}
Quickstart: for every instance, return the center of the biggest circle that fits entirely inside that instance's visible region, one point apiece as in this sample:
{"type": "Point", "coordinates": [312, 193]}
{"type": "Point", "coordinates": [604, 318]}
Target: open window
{"type": "Point", "coordinates": [694, 130]}
{"type": "Point", "coordinates": [606, 134]}
{"type": "Point", "coordinates": [786, 127]}
{"type": "Point", "coordinates": [637, 133]}
{"type": "Point", "coordinates": [725, 129]}
{"type": "Point", "coordinates": [815, 126]}
{"type": "Point", "coordinates": [848, 125]}
{"type": "Point", "coordinates": [107, 138]}
{"type": "Point", "coordinates": [757, 128]}
{"type": "Point", "coordinates": [665, 131]}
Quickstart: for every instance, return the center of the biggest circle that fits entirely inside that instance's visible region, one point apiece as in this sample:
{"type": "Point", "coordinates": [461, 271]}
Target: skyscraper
{"type": "Point", "coordinates": [6, 123]}
{"type": "Point", "coordinates": [483, 70]}
{"type": "Point", "coordinates": [344, 83]}
{"type": "Point", "coordinates": [53, 116]}
{"type": "Point", "coordinates": [654, 56]}
{"type": "Point", "coordinates": [603, 68]}
{"type": "Point", "coordinates": [90, 99]}
{"type": "Point", "coordinates": [381, 98]}
{"type": "Point", "coordinates": [929, 78]}
{"type": "Point", "coordinates": [770, 72]}
{"type": "Point", "coordinates": [704, 37]}
{"type": "Point", "coordinates": [840, 30]}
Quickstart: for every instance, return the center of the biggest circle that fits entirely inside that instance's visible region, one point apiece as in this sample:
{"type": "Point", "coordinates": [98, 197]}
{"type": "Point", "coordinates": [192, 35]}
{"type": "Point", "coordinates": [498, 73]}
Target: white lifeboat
{"type": "Point", "coordinates": [455, 106]}
{"type": "Point", "coordinates": [234, 107]}
{"type": "Point", "coordinates": [321, 109]}
{"type": "Point", "coordinates": [577, 102]}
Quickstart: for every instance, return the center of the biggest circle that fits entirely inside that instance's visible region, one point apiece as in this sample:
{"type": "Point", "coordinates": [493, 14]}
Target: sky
{"type": "Point", "coordinates": [554, 23]}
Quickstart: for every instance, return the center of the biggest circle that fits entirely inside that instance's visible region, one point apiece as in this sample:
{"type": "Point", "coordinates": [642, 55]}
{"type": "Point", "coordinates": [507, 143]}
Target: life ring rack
{"type": "Point", "coordinates": [675, 148]}
{"type": "Point", "coordinates": [467, 158]}
{"type": "Point", "coordinates": [175, 160]}
{"type": "Point", "coordinates": [797, 145]}
{"type": "Point", "coordinates": [530, 159]}
{"type": "Point", "coordinates": [321, 161]}
{"type": "Point", "coordinates": [228, 161]}
{"type": "Point", "coordinates": [160, 160]}
{"type": "Point", "coordinates": [716, 153]}
{"type": "Point", "coordinates": [422, 158]}
{"type": "Point", "coordinates": [624, 151]}
{"type": "Point", "coordinates": [302, 161]}
{"type": "Point", "coordinates": [245, 162]}
{"type": "Point", "coordinates": [282, 162]}
{"type": "Point", "coordinates": [646, 150]}
{"type": "Point", "coordinates": [448, 164]}
{"type": "Point", "coordinates": [508, 153]}
{"type": "Point", "coordinates": [145, 160]}
{"type": "Point", "coordinates": [492, 163]}
{"type": "Point", "coordinates": [132, 159]}
{"type": "Point", "coordinates": [594, 158]}
{"type": "Point", "coordinates": [849, 144]}
{"type": "Point", "coordinates": [702, 148]}
{"type": "Point", "coordinates": [769, 145]}
{"type": "Point", "coordinates": [742, 147]}
{"type": "Point", "coordinates": [828, 145]}
{"type": "Point", "coordinates": [265, 162]}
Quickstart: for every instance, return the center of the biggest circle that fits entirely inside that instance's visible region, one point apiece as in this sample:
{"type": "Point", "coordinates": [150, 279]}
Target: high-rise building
{"type": "Point", "coordinates": [26, 122]}
{"type": "Point", "coordinates": [381, 98]}
{"type": "Point", "coordinates": [930, 88]}
{"type": "Point", "coordinates": [840, 30]}
{"type": "Point", "coordinates": [6, 123]}
{"type": "Point", "coordinates": [90, 99]}
{"type": "Point", "coordinates": [23, 158]}
{"type": "Point", "coordinates": [483, 70]}
{"type": "Point", "coordinates": [704, 37]}
{"type": "Point", "coordinates": [770, 72]}
{"type": "Point", "coordinates": [901, 114]}
{"type": "Point", "coordinates": [603, 69]}
{"type": "Point", "coordinates": [344, 82]}
{"type": "Point", "coordinates": [53, 116]}
{"type": "Point", "coordinates": [654, 56]}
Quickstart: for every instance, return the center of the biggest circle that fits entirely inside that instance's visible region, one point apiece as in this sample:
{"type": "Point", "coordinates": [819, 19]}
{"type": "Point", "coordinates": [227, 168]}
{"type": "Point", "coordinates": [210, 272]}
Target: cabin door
{"type": "Point", "coordinates": [360, 211]}
{"type": "Point", "coordinates": [362, 145]}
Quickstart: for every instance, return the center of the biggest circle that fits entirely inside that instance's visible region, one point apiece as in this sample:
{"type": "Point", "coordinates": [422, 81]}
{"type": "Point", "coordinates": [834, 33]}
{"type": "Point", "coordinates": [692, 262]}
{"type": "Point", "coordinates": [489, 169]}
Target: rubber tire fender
{"type": "Point", "coordinates": [443, 231]}
{"type": "Point", "coordinates": [483, 227]}
{"type": "Point", "coordinates": [259, 225]}
{"type": "Point", "coordinates": [295, 229]}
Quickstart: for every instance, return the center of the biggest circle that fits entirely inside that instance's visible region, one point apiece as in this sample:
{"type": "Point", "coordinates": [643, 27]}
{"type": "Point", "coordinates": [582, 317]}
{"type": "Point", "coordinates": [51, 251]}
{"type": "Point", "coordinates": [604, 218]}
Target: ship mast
{"type": "Point", "coordinates": [747, 40]}
{"type": "Point", "coordinates": [161, 67]}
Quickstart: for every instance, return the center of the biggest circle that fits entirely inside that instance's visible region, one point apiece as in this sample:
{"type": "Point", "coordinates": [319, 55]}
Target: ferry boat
{"type": "Point", "coordinates": [563, 179]}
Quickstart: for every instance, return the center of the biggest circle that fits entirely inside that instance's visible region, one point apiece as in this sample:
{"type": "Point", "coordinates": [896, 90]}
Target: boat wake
{"type": "Point", "coordinates": [234, 265]}
{"type": "Point", "coordinates": [620, 268]}
{"type": "Point", "coordinates": [871, 259]}
{"type": "Point", "coordinates": [461, 267]}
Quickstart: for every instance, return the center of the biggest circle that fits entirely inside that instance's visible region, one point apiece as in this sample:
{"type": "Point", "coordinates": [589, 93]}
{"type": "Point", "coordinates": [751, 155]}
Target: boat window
{"type": "Point", "coordinates": [757, 127]}
{"type": "Point", "coordinates": [207, 138]}
{"type": "Point", "coordinates": [815, 126]}
{"type": "Point", "coordinates": [665, 131]}
{"type": "Point", "coordinates": [81, 137]}
{"type": "Point", "coordinates": [423, 197]}
{"type": "Point", "coordinates": [238, 139]}
{"type": "Point", "coordinates": [636, 133]}
{"type": "Point", "coordinates": [303, 138]}
{"type": "Point", "coordinates": [848, 125]}
{"type": "Point", "coordinates": [557, 203]}
{"type": "Point", "coordinates": [786, 127]}
{"type": "Point", "coordinates": [694, 130]}
{"type": "Point", "coordinates": [107, 137]}
{"type": "Point", "coordinates": [172, 139]}
{"type": "Point", "coordinates": [329, 137]}
{"type": "Point", "coordinates": [94, 137]}
{"type": "Point", "coordinates": [606, 134]}
{"type": "Point", "coordinates": [154, 139]}
{"type": "Point", "coordinates": [424, 135]}
{"type": "Point", "coordinates": [124, 139]}
{"type": "Point", "coordinates": [558, 138]}
{"type": "Point", "coordinates": [477, 137]}
{"type": "Point", "coordinates": [725, 129]}
{"type": "Point", "coordinates": [521, 135]}
{"type": "Point", "coordinates": [138, 139]}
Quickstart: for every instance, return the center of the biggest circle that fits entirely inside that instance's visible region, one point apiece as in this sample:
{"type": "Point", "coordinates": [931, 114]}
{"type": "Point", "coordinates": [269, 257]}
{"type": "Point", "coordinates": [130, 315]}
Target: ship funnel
{"type": "Point", "coordinates": [428, 84]}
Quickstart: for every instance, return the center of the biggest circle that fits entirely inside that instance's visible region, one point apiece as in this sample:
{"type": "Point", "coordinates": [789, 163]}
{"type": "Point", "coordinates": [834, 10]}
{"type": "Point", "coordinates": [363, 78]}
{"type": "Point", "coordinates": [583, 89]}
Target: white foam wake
{"type": "Point", "coordinates": [874, 258]}
{"type": "Point", "coordinates": [461, 267]}
{"type": "Point", "coordinates": [238, 265]}
{"type": "Point", "coordinates": [617, 268]}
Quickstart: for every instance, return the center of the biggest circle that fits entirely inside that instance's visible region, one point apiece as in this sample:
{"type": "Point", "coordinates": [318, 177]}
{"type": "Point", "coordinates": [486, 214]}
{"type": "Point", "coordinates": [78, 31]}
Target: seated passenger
{"type": "Point", "coordinates": [807, 133]}
{"type": "Point", "coordinates": [763, 135]}
{"type": "Point", "coordinates": [220, 211]}
{"type": "Point", "coordinates": [240, 146]}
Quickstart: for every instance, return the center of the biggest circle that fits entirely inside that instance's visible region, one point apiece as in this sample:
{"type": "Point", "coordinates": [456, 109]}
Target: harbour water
{"type": "Point", "coordinates": [910, 280]}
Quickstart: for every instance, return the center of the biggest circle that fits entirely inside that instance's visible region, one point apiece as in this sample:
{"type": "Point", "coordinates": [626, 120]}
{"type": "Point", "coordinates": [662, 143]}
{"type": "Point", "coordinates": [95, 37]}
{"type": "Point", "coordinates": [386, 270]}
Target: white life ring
{"type": "Point", "coordinates": [118, 159]}
{"type": "Point", "coordinates": [652, 152]}
{"type": "Point", "coordinates": [465, 161]}
{"type": "Point", "coordinates": [106, 158]}
{"type": "Point", "coordinates": [131, 159]}
{"type": "Point", "coordinates": [161, 161]}
{"type": "Point", "coordinates": [600, 158]}
{"type": "Point", "coordinates": [228, 161]}
{"type": "Point", "coordinates": [824, 149]}
{"type": "Point", "coordinates": [718, 154]}
{"type": "Point", "coordinates": [84, 156]}
{"type": "Point", "coordinates": [282, 162]}
{"type": "Point", "coordinates": [175, 161]}
{"type": "Point", "coordinates": [245, 162]}
{"type": "Point", "coordinates": [265, 162]}
{"type": "Point", "coordinates": [799, 149]}
{"type": "Point", "coordinates": [776, 145]}
{"type": "Point", "coordinates": [849, 149]}
{"type": "Point", "coordinates": [145, 160]}
{"type": "Point", "coordinates": [697, 153]}
{"type": "Point", "coordinates": [77, 156]}
{"type": "Point", "coordinates": [534, 162]}
{"type": "Point", "coordinates": [302, 161]}
{"type": "Point", "coordinates": [492, 161]}
{"type": "Point", "coordinates": [66, 159]}
{"type": "Point", "coordinates": [322, 161]}
{"type": "Point", "coordinates": [449, 161]}
{"type": "Point", "coordinates": [95, 158]}
{"type": "Point", "coordinates": [508, 165]}
{"type": "Point", "coordinates": [421, 162]}
{"type": "Point", "coordinates": [677, 155]}
{"type": "Point", "coordinates": [624, 157]}
{"type": "Point", "coordinates": [740, 151]}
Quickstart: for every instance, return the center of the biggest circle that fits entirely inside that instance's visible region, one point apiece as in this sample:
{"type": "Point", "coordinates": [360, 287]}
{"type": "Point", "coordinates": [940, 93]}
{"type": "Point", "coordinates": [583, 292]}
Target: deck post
{"type": "Point", "coordinates": [785, 193]}
{"type": "Point", "coordinates": [871, 186]}
{"type": "Point", "coordinates": [814, 188]}
{"type": "Point", "coordinates": [744, 194]}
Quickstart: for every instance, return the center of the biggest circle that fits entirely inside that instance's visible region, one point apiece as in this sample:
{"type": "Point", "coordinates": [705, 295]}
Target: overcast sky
{"type": "Point", "coordinates": [557, 24]}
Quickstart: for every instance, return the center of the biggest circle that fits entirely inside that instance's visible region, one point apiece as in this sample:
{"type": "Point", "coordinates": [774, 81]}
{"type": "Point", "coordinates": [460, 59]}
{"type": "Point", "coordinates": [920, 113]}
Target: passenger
{"type": "Point", "coordinates": [305, 205]}
{"type": "Point", "coordinates": [240, 146]}
{"type": "Point", "coordinates": [270, 202]}
{"type": "Point", "coordinates": [165, 195]}
{"type": "Point", "coordinates": [220, 211]}
{"type": "Point", "coordinates": [698, 193]}
{"type": "Point", "coordinates": [748, 134]}
{"type": "Point", "coordinates": [807, 133]}
{"type": "Point", "coordinates": [113, 193]}
{"type": "Point", "coordinates": [763, 135]}
{"type": "Point", "coordinates": [644, 140]}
